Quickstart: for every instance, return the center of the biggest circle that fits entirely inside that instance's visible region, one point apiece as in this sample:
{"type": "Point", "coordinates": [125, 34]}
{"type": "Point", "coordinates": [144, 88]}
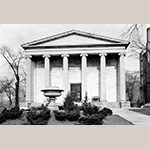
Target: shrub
{"type": "Point", "coordinates": [100, 115]}
{"type": "Point", "coordinates": [108, 111]}
{"type": "Point", "coordinates": [73, 115]}
{"type": "Point", "coordinates": [90, 120]}
{"type": "Point", "coordinates": [2, 118]}
{"type": "Point", "coordinates": [13, 113]}
{"type": "Point", "coordinates": [69, 104]}
{"type": "Point", "coordinates": [38, 116]}
{"type": "Point", "coordinates": [92, 115]}
{"type": "Point", "coordinates": [88, 109]}
{"type": "Point", "coordinates": [61, 116]}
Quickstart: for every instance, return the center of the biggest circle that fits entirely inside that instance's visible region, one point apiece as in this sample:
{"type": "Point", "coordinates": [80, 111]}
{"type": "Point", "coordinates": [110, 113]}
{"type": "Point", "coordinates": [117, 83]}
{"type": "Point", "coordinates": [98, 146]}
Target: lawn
{"type": "Point", "coordinates": [116, 120]}
{"type": "Point", "coordinates": [110, 120]}
{"type": "Point", "coordinates": [145, 111]}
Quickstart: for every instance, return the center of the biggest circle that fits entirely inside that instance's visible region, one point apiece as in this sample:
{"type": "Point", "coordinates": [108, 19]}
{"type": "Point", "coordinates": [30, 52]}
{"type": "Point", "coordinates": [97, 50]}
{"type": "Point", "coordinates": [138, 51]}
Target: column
{"type": "Point", "coordinates": [65, 74]}
{"type": "Point", "coordinates": [122, 77]}
{"type": "Point", "coordinates": [102, 76]}
{"type": "Point", "coordinates": [46, 70]}
{"type": "Point", "coordinates": [28, 79]}
{"type": "Point", "coordinates": [84, 74]}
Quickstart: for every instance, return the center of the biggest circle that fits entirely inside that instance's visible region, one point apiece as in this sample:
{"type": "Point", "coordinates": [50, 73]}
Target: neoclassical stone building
{"type": "Point", "coordinates": [79, 63]}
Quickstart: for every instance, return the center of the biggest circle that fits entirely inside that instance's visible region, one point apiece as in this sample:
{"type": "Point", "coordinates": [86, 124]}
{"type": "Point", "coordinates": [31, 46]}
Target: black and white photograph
{"type": "Point", "coordinates": [75, 74]}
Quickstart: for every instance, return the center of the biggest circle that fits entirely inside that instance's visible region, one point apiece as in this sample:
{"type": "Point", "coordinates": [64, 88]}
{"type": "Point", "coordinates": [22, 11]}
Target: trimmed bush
{"type": "Point", "coordinates": [108, 111]}
{"type": "Point", "coordinates": [2, 118]}
{"type": "Point", "coordinates": [60, 116]}
{"type": "Point", "coordinates": [88, 109]}
{"type": "Point", "coordinates": [38, 116]}
{"type": "Point", "coordinates": [90, 120]}
{"type": "Point", "coordinates": [100, 115]}
{"type": "Point", "coordinates": [92, 115]}
{"type": "Point", "coordinates": [69, 104]}
{"type": "Point", "coordinates": [73, 115]}
{"type": "Point", "coordinates": [13, 113]}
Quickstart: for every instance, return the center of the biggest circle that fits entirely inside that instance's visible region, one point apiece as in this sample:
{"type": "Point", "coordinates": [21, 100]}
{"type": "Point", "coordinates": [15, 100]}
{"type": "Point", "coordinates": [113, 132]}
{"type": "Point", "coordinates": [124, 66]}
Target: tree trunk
{"type": "Point", "coordinates": [17, 91]}
{"type": "Point", "coordinates": [10, 101]}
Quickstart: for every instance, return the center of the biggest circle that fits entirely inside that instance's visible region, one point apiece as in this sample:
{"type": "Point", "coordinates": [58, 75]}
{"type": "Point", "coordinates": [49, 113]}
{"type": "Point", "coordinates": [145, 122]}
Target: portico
{"type": "Point", "coordinates": [80, 63]}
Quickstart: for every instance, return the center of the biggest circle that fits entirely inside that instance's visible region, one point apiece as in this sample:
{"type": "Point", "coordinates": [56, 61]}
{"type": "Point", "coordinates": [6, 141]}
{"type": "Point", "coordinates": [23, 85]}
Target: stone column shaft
{"type": "Point", "coordinates": [47, 71]}
{"type": "Point", "coordinates": [84, 75]}
{"type": "Point", "coordinates": [29, 79]}
{"type": "Point", "coordinates": [122, 77]}
{"type": "Point", "coordinates": [102, 76]}
{"type": "Point", "coordinates": [65, 74]}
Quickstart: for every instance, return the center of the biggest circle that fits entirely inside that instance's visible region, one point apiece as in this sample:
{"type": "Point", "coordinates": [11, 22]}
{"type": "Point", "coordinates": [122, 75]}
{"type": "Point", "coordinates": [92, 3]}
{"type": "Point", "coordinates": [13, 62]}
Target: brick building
{"type": "Point", "coordinates": [79, 63]}
{"type": "Point", "coordinates": [145, 71]}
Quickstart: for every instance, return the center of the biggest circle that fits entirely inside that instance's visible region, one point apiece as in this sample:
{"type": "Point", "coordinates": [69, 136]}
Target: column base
{"type": "Point", "coordinates": [124, 104]}
{"type": "Point", "coordinates": [102, 104]}
{"type": "Point", "coordinates": [110, 104]}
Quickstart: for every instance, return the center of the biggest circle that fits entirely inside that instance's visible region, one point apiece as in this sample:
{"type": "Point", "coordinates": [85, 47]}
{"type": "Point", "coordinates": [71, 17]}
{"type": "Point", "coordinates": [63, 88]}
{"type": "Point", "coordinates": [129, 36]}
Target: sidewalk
{"type": "Point", "coordinates": [134, 117]}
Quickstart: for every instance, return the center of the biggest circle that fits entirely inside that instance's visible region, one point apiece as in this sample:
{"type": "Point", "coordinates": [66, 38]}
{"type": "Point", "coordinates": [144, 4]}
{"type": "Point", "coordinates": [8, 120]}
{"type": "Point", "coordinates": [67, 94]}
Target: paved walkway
{"type": "Point", "coordinates": [134, 117]}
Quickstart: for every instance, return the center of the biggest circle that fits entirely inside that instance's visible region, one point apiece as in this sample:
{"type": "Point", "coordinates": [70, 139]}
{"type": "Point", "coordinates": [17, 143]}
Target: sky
{"type": "Point", "coordinates": [13, 35]}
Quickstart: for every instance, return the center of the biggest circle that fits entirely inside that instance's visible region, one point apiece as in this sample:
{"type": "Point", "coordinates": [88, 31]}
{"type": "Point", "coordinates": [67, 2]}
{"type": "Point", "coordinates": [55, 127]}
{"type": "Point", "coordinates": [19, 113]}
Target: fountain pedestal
{"type": "Point", "coordinates": [52, 105]}
{"type": "Point", "coordinates": [51, 93]}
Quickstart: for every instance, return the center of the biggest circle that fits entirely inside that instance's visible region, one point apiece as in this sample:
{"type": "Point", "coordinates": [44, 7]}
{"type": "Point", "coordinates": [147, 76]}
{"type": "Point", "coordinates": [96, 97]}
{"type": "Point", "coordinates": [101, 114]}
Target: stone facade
{"type": "Point", "coordinates": [80, 63]}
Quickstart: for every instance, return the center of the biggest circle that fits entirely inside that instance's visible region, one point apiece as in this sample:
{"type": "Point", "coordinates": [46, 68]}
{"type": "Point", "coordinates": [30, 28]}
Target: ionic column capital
{"type": "Point", "coordinates": [84, 54]}
{"type": "Point", "coordinates": [28, 56]}
{"type": "Point", "coordinates": [122, 54]}
{"type": "Point", "coordinates": [103, 54]}
{"type": "Point", "coordinates": [46, 56]}
{"type": "Point", "coordinates": [65, 55]}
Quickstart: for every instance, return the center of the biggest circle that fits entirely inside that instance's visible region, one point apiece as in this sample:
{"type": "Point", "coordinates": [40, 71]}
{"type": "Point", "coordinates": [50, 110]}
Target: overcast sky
{"type": "Point", "coordinates": [14, 35]}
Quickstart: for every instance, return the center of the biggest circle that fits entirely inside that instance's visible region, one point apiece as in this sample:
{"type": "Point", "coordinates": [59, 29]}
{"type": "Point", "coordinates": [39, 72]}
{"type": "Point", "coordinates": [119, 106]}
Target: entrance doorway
{"type": "Point", "coordinates": [75, 89]}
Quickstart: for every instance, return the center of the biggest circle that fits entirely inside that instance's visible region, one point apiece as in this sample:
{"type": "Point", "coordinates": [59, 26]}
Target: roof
{"type": "Point", "coordinates": [108, 40]}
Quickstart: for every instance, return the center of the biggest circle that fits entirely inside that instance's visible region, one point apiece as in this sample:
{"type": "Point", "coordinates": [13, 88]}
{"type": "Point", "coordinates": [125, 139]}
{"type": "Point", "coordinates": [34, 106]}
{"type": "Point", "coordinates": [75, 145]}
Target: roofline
{"type": "Point", "coordinates": [76, 46]}
{"type": "Point", "coordinates": [64, 34]}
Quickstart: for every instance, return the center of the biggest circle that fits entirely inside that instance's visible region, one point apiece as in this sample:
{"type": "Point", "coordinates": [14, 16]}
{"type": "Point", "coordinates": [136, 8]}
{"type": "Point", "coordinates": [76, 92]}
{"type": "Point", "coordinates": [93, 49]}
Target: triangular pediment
{"type": "Point", "coordinates": [72, 38]}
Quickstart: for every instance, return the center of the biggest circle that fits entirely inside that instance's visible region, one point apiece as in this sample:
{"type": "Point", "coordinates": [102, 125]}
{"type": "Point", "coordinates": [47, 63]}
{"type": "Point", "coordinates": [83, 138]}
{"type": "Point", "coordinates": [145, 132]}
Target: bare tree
{"type": "Point", "coordinates": [135, 34]}
{"type": "Point", "coordinates": [23, 85]}
{"type": "Point", "coordinates": [6, 86]}
{"type": "Point", "coordinates": [132, 78]}
{"type": "Point", "coordinates": [15, 61]}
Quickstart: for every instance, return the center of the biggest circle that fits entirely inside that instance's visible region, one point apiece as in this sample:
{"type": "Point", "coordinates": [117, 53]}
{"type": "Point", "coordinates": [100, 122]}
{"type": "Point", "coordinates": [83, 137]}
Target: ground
{"type": "Point", "coordinates": [145, 111]}
{"type": "Point", "coordinates": [136, 116]}
{"type": "Point", "coordinates": [110, 120]}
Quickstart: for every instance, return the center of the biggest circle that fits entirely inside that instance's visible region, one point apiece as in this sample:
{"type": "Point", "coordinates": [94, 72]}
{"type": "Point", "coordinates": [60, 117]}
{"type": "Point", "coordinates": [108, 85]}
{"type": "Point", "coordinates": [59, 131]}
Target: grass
{"type": "Point", "coordinates": [116, 120]}
{"type": "Point", "coordinates": [145, 111]}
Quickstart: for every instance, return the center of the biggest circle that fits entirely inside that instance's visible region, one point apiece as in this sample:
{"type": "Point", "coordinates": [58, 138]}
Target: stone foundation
{"type": "Point", "coordinates": [99, 104]}
{"type": "Point", "coordinates": [112, 104]}
{"type": "Point", "coordinates": [125, 104]}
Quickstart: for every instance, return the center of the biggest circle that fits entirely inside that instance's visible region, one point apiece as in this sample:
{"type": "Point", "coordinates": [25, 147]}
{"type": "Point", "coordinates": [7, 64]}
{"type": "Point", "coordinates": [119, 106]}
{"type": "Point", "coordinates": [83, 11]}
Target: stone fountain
{"type": "Point", "coordinates": [52, 93]}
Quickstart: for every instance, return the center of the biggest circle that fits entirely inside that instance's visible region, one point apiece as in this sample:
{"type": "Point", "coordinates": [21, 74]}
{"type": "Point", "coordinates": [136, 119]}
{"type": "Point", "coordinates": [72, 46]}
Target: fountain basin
{"type": "Point", "coordinates": [52, 93]}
